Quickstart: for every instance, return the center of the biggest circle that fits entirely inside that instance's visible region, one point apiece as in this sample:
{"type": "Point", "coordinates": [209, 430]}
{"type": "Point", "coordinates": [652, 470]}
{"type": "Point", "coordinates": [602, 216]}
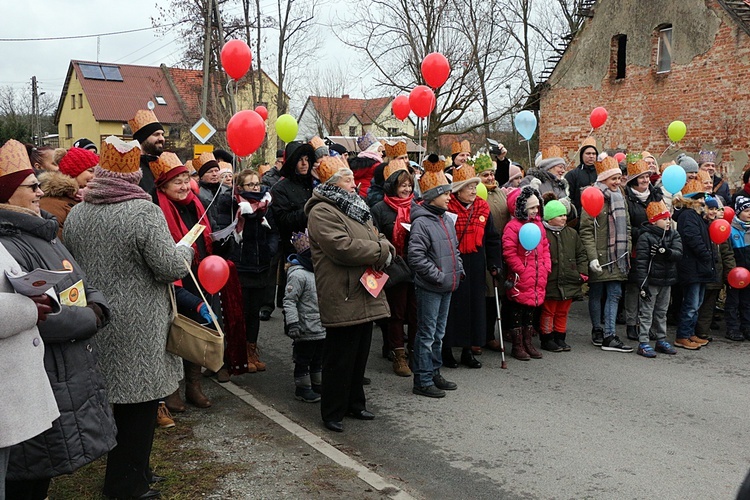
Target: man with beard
{"type": "Point", "coordinates": [150, 135]}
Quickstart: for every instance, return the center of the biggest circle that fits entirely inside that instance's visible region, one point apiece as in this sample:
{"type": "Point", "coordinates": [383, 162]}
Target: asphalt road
{"type": "Point", "coordinates": [583, 424]}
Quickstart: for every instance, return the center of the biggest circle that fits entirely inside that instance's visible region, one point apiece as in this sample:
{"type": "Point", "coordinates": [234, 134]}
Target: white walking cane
{"type": "Point", "coordinates": [503, 365]}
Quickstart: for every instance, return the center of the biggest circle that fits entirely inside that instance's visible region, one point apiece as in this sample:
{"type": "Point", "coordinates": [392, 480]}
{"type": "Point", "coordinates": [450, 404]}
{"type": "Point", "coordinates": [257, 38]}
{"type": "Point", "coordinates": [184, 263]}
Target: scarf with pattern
{"type": "Point", "coordinates": [470, 223]}
{"type": "Point", "coordinates": [350, 203]}
{"type": "Point", "coordinates": [617, 225]}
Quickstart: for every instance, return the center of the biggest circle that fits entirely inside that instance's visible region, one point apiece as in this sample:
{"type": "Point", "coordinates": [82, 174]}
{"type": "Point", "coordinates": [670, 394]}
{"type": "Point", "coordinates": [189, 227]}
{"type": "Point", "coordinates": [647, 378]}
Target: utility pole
{"type": "Point", "coordinates": [34, 112]}
{"type": "Point", "coordinates": [206, 56]}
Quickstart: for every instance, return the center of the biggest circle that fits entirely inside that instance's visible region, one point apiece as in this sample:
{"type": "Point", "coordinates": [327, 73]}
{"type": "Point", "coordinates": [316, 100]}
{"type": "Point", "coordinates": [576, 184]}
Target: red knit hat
{"type": "Point", "coordinates": [78, 160]}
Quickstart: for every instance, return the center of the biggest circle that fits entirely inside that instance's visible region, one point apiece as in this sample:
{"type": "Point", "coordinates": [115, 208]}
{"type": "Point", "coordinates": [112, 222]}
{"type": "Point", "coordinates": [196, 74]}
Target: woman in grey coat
{"type": "Point", "coordinates": [121, 238]}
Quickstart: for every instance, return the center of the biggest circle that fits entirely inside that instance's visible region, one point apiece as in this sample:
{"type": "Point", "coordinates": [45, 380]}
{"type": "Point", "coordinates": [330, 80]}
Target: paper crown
{"type": "Point", "coordinates": [300, 241]}
{"type": "Point", "coordinates": [588, 141]}
{"type": "Point", "coordinates": [693, 187]}
{"type": "Point", "coordinates": [632, 158]}
{"type": "Point", "coordinates": [120, 156]}
{"type": "Point", "coordinates": [463, 173]}
{"type": "Point", "coordinates": [433, 175]}
{"type": "Point", "coordinates": [461, 147]}
{"type": "Point", "coordinates": [366, 141]}
{"type": "Point", "coordinates": [483, 163]}
{"type": "Point", "coordinates": [14, 158]}
{"type": "Point", "coordinates": [394, 166]}
{"type": "Point", "coordinates": [189, 166]}
{"type": "Point", "coordinates": [203, 159]}
{"type": "Point", "coordinates": [705, 177]}
{"type": "Point", "coordinates": [320, 147]}
{"type": "Point", "coordinates": [645, 154]}
{"type": "Point", "coordinates": [263, 169]}
{"type": "Point", "coordinates": [606, 168]}
{"type": "Point", "coordinates": [552, 152]}
{"type": "Point", "coordinates": [395, 149]}
{"type": "Point", "coordinates": [329, 165]}
{"type": "Point", "coordinates": [657, 210]}
{"type": "Point", "coordinates": [142, 118]}
{"type": "Point", "coordinates": [637, 168]}
{"type": "Point", "coordinates": [706, 156]}
{"type": "Point", "coordinates": [164, 164]}
{"type": "Point", "coordinates": [224, 167]}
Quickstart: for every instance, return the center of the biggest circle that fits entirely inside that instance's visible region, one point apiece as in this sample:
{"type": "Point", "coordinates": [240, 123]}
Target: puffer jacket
{"type": "Point", "coordinates": [579, 179]}
{"type": "Point", "coordinates": [60, 196]}
{"type": "Point", "coordinates": [527, 270]}
{"type": "Point", "coordinates": [739, 246]}
{"type": "Point", "coordinates": [569, 262]}
{"type": "Point", "coordinates": [366, 173]}
{"type": "Point", "coordinates": [637, 210]}
{"type": "Point", "coordinates": [594, 234]}
{"type": "Point", "coordinates": [433, 251]}
{"type": "Point", "coordinates": [659, 269]}
{"type": "Point", "coordinates": [342, 250]}
{"type": "Point", "coordinates": [260, 240]}
{"type": "Point", "coordinates": [290, 195]}
{"type": "Point", "coordinates": [86, 428]}
{"type": "Point", "coordinates": [698, 257]}
{"type": "Point", "coordinates": [219, 207]}
{"type": "Point", "coordinates": [301, 302]}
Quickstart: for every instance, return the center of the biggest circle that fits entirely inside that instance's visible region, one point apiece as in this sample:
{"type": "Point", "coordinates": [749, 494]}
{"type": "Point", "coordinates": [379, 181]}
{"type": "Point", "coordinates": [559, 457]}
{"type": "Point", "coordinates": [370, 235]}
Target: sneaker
{"type": "Point", "coordinates": [665, 347]}
{"type": "Point", "coordinates": [697, 340]}
{"type": "Point", "coordinates": [646, 350]}
{"type": "Point", "coordinates": [687, 344]}
{"type": "Point", "coordinates": [597, 336]}
{"type": "Point", "coordinates": [429, 390]}
{"type": "Point", "coordinates": [613, 343]}
{"type": "Point", "coordinates": [306, 394]}
{"type": "Point", "coordinates": [443, 384]}
{"type": "Point", "coordinates": [163, 417]}
{"type": "Point", "coordinates": [736, 336]}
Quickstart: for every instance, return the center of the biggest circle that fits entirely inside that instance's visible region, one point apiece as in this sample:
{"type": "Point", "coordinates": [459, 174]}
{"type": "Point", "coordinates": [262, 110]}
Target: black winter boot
{"type": "Point", "coordinates": [549, 344]}
{"type": "Point", "coordinates": [560, 340]}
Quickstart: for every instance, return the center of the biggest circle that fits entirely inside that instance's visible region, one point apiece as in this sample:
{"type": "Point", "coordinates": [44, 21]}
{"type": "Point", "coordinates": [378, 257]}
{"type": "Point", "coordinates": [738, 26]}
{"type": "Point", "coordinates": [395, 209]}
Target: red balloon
{"type": "Point", "coordinates": [719, 231]}
{"type": "Point", "coordinates": [435, 69]}
{"type": "Point", "coordinates": [598, 117]}
{"type": "Point", "coordinates": [246, 131]}
{"type": "Point", "coordinates": [401, 107]}
{"type": "Point", "coordinates": [739, 277]}
{"type": "Point", "coordinates": [422, 100]}
{"type": "Point", "coordinates": [262, 111]}
{"type": "Point", "coordinates": [236, 58]}
{"type": "Point", "coordinates": [213, 273]}
{"type": "Point", "coordinates": [592, 201]}
{"type": "Point", "coordinates": [728, 214]}
{"type": "Point", "coordinates": [619, 157]}
{"type": "Point", "coordinates": [194, 186]}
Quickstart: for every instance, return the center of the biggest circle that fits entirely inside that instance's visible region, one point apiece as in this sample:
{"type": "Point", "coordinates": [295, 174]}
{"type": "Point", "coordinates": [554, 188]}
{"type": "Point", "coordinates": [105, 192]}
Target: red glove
{"type": "Point", "coordinates": [43, 306]}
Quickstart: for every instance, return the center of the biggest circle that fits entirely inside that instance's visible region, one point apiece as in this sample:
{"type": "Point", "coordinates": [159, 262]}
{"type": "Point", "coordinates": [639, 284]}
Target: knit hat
{"type": "Point", "coordinates": [85, 144]}
{"type": "Point", "coordinates": [394, 166]}
{"type": "Point", "coordinates": [532, 201]}
{"type": "Point", "coordinates": [166, 167]}
{"type": "Point", "coordinates": [433, 182]}
{"type": "Point", "coordinates": [464, 176]}
{"type": "Point", "coordinates": [657, 210]}
{"type": "Point", "coordinates": [693, 189]}
{"type": "Point", "coordinates": [144, 124]}
{"type": "Point", "coordinates": [15, 167]}
{"type": "Point", "coordinates": [552, 209]}
{"type": "Point", "coordinates": [706, 156]}
{"type": "Point", "coordinates": [329, 166]}
{"type": "Point", "coordinates": [204, 163]}
{"type": "Point", "coordinates": [551, 157]}
{"type": "Point", "coordinates": [366, 141]}
{"type": "Point", "coordinates": [77, 160]}
{"type": "Point", "coordinates": [394, 149]}
{"type": "Point", "coordinates": [514, 172]}
{"type": "Point", "coordinates": [689, 165]}
{"type": "Point", "coordinates": [636, 167]}
{"type": "Point", "coordinates": [120, 157]}
{"type": "Point", "coordinates": [300, 241]}
{"type": "Point", "coordinates": [588, 142]}
{"type": "Point", "coordinates": [461, 147]}
{"type": "Point", "coordinates": [712, 202]}
{"type": "Point", "coordinates": [320, 147]}
{"type": "Point", "coordinates": [742, 203]}
{"type": "Point", "coordinates": [483, 163]}
{"type": "Point", "coordinates": [607, 168]}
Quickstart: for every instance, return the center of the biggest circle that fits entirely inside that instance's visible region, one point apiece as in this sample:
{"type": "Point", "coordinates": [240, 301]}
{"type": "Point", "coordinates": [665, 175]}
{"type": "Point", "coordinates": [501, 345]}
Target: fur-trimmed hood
{"type": "Point", "coordinates": [58, 185]}
{"type": "Point", "coordinates": [545, 176]}
{"type": "Point", "coordinates": [518, 199]}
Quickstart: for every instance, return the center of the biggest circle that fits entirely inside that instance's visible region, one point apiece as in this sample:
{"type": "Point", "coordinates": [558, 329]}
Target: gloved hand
{"type": "Point", "coordinates": [100, 318]}
{"type": "Point", "coordinates": [645, 295]}
{"type": "Point", "coordinates": [595, 266]}
{"type": "Point", "coordinates": [245, 208]}
{"type": "Point", "coordinates": [389, 260]}
{"type": "Point", "coordinates": [205, 313]}
{"type": "Point", "coordinates": [293, 331]}
{"type": "Point", "coordinates": [43, 306]}
{"type": "Point", "coordinates": [654, 249]}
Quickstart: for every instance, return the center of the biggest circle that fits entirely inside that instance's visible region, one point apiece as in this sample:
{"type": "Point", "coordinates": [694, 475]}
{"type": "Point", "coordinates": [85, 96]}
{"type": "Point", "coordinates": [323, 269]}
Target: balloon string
{"type": "Point", "coordinates": [528, 148]}
{"type": "Point", "coordinates": [590, 132]}
{"type": "Point", "coordinates": [670, 145]}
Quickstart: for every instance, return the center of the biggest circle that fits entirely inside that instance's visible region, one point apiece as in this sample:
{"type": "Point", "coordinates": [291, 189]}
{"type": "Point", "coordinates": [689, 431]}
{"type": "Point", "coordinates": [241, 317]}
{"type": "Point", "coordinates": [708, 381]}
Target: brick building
{"type": "Point", "coordinates": [649, 63]}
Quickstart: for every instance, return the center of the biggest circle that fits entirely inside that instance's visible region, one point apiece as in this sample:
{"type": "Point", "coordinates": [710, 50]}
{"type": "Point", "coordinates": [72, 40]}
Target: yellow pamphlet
{"type": "Point", "coordinates": [74, 295]}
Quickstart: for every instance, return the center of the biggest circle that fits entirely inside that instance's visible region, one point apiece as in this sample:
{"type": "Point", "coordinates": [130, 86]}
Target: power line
{"type": "Point", "coordinates": [76, 37]}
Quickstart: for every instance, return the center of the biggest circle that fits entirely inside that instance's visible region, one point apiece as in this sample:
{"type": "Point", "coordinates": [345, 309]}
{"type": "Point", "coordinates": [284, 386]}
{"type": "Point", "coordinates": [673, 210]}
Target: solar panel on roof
{"type": "Point", "coordinates": [92, 71]}
{"type": "Point", "coordinates": [112, 73]}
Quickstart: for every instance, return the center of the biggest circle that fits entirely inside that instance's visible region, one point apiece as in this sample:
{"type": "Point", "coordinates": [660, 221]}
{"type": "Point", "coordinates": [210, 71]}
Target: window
{"type": "Point", "coordinates": [393, 132]}
{"type": "Point", "coordinates": [619, 55]}
{"type": "Point", "coordinates": [352, 131]}
{"type": "Point", "coordinates": [160, 100]}
{"type": "Point", "coordinates": [69, 130]}
{"type": "Point", "coordinates": [72, 101]}
{"type": "Point", "coordinates": [664, 50]}
{"type": "Point", "coordinates": [80, 100]}
{"type": "Point", "coordinates": [100, 72]}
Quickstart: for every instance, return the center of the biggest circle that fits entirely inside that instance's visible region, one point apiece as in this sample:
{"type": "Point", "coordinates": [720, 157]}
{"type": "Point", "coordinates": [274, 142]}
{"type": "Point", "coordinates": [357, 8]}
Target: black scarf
{"type": "Point", "coordinates": [349, 203]}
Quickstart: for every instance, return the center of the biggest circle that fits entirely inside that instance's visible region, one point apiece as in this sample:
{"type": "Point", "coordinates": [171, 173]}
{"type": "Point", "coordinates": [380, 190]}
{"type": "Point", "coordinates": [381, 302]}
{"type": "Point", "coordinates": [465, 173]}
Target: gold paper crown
{"type": "Point", "coordinates": [552, 152]}
{"type": "Point", "coordinates": [395, 149]}
{"type": "Point", "coordinates": [142, 118]}
{"type": "Point", "coordinates": [461, 147]}
{"type": "Point", "coordinates": [263, 169]}
{"type": "Point", "coordinates": [430, 166]}
{"type": "Point", "coordinates": [189, 166]}
{"type": "Point", "coordinates": [693, 186]}
{"type": "Point", "coordinates": [166, 162]}
{"type": "Point", "coordinates": [120, 156]}
{"type": "Point", "coordinates": [203, 159]}
{"type": "Point", "coordinates": [588, 141]}
{"type": "Point", "coordinates": [656, 208]}
{"type": "Point", "coordinates": [705, 177]}
{"type": "Point", "coordinates": [316, 142]}
{"type": "Point", "coordinates": [608, 163]}
{"type": "Point", "coordinates": [638, 168]}
{"type": "Point", "coordinates": [394, 166]}
{"type": "Point", "coordinates": [632, 158]}
{"type": "Point", "coordinates": [433, 175]}
{"type": "Point", "coordinates": [646, 154]}
{"type": "Point", "coordinates": [224, 166]}
{"type": "Point", "coordinates": [666, 164]}
{"type": "Point", "coordinates": [329, 165]}
{"type": "Point", "coordinates": [463, 173]}
{"type": "Point", "coordinates": [13, 158]}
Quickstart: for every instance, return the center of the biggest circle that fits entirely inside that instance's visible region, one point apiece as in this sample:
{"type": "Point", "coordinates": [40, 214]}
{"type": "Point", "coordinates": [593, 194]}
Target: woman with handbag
{"type": "Point", "coordinates": [122, 241]}
{"type": "Point", "coordinates": [390, 217]}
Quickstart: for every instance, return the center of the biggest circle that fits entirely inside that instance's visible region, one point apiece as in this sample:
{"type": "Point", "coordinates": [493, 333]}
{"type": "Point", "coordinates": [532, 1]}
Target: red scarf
{"type": "Point", "coordinates": [176, 225]}
{"type": "Point", "coordinates": [470, 223]}
{"type": "Point", "coordinates": [402, 206]}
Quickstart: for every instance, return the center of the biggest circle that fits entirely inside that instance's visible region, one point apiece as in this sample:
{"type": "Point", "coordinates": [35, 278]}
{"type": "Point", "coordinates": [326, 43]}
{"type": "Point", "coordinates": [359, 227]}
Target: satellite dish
{"type": "Point", "coordinates": [150, 105]}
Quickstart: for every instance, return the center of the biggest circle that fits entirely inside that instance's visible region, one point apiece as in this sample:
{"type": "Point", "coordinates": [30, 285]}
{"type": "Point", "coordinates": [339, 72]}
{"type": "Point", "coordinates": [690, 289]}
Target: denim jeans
{"type": "Point", "coordinates": [737, 310]}
{"type": "Point", "coordinates": [692, 298]}
{"type": "Point", "coordinates": [432, 315]}
{"type": "Point", "coordinates": [612, 290]}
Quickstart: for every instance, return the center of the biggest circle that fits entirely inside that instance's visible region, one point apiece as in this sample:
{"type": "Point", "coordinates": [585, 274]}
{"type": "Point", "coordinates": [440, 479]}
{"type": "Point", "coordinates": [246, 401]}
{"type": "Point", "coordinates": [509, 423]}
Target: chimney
{"type": "Point", "coordinates": [345, 96]}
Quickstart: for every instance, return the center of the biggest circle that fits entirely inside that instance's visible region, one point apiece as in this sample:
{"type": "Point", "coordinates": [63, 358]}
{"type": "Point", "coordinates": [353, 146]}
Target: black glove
{"type": "Point", "coordinates": [645, 295]}
{"type": "Point", "coordinates": [294, 331]}
{"type": "Point", "coordinates": [667, 252]}
{"type": "Point", "coordinates": [100, 318]}
{"type": "Point", "coordinates": [43, 306]}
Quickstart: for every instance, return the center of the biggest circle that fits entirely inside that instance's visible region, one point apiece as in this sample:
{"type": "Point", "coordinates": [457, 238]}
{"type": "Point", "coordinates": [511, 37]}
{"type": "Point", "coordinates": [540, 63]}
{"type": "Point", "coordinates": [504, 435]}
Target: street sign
{"type": "Point", "coordinates": [199, 149]}
{"type": "Point", "coordinates": [202, 130]}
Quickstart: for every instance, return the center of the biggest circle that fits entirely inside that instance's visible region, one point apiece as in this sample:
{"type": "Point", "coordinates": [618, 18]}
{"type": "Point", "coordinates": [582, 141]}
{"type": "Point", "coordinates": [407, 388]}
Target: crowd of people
{"type": "Point", "coordinates": [339, 241]}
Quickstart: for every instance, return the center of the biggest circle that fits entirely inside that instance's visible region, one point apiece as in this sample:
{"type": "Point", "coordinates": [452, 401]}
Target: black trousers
{"type": "Point", "coordinates": [29, 489]}
{"type": "Point", "coordinates": [128, 470]}
{"type": "Point", "coordinates": [252, 299]}
{"type": "Point", "coordinates": [344, 361]}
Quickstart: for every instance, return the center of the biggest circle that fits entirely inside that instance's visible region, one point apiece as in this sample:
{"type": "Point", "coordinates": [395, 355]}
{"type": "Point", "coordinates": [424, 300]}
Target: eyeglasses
{"type": "Point", "coordinates": [33, 187]}
{"type": "Point", "coordinates": [251, 184]}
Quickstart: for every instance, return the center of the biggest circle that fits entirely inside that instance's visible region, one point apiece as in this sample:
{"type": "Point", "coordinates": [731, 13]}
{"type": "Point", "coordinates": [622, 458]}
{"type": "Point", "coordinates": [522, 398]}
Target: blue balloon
{"type": "Point", "coordinates": [674, 178]}
{"type": "Point", "coordinates": [525, 122]}
{"type": "Point", "coordinates": [530, 235]}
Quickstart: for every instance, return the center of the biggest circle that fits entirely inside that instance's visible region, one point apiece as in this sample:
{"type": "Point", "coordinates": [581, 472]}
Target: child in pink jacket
{"type": "Point", "coordinates": [527, 270]}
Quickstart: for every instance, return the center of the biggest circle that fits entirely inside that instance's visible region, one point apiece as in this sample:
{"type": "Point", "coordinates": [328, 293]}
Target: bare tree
{"type": "Point", "coordinates": [328, 85]}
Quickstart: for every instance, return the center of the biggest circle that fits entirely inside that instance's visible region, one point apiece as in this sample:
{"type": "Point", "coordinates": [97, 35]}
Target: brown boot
{"type": "Point", "coordinates": [174, 402]}
{"type": "Point", "coordinates": [400, 364]}
{"type": "Point", "coordinates": [252, 357]}
{"type": "Point", "coordinates": [193, 392]}
{"type": "Point", "coordinates": [528, 332]}
{"type": "Point", "coordinates": [518, 351]}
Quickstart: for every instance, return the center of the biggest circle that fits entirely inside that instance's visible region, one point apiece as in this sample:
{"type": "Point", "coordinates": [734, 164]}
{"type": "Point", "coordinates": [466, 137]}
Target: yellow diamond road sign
{"type": "Point", "coordinates": [203, 130]}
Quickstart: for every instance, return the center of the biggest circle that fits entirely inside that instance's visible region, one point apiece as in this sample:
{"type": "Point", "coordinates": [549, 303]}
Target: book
{"type": "Point", "coordinates": [373, 281]}
{"type": "Point", "coordinates": [35, 282]}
